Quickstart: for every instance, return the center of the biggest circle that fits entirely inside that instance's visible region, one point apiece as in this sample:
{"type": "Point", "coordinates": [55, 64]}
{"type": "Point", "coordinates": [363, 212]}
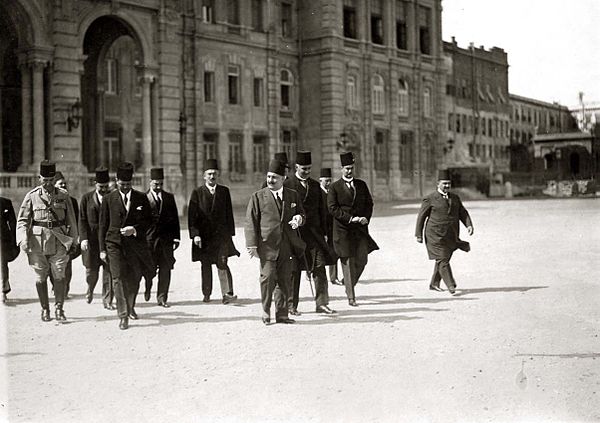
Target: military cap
{"type": "Point", "coordinates": [47, 169]}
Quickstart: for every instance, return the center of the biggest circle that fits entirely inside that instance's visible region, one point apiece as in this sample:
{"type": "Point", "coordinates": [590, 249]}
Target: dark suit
{"type": "Point", "coordinates": [161, 235]}
{"type": "Point", "coordinates": [8, 241]}
{"type": "Point", "coordinates": [441, 220]}
{"type": "Point", "coordinates": [89, 218]}
{"type": "Point", "coordinates": [332, 257]}
{"type": "Point", "coordinates": [129, 256]}
{"type": "Point", "coordinates": [351, 241]}
{"type": "Point", "coordinates": [211, 218]}
{"type": "Point", "coordinates": [313, 234]}
{"type": "Point", "coordinates": [277, 243]}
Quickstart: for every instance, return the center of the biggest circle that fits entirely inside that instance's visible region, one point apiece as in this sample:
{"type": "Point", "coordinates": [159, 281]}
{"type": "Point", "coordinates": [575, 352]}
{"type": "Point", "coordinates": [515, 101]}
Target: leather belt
{"type": "Point", "coordinates": [50, 224]}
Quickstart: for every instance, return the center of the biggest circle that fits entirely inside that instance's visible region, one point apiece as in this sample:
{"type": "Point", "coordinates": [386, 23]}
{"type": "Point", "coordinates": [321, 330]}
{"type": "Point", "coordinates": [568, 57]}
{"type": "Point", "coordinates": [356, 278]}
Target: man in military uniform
{"type": "Point", "coordinates": [211, 227]}
{"type": "Point", "coordinates": [332, 259]}
{"type": "Point", "coordinates": [312, 233]}
{"type": "Point", "coordinates": [440, 214]}
{"type": "Point", "coordinates": [46, 231]}
{"type": "Point", "coordinates": [124, 219]}
{"type": "Point", "coordinates": [351, 205]}
{"type": "Point", "coordinates": [163, 234]}
{"type": "Point", "coordinates": [61, 182]}
{"type": "Point", "coordinates": [89, 219]}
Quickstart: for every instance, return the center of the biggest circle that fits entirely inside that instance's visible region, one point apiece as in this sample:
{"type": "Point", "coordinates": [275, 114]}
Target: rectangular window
{"type": "Point", "coordinates": [207, 10]}
{"type": "Point", "coordinates": [233, 84]}
{"type": "Point", "coordinates": [450, 122]}
{"type": "Point", "coordinates": [210, 143]}
{"type": "Point", "coordinates": [209, 87]}
{"type": "Point", "coordinates": [112, 146]}
{"type": "Point", "coordinates": [112, 80]}
{"type": "Point", "coordinates": [236, 157]}
{"type": "Point", "coordinates": [458, 127]}
{"type": "Point", "coordinates": [376, 29]}
{"type": "Point", "coordinates": [288, 144]}
{"type": "Point", "coordinates": [259, 153]}
{"type": "Point", "coordinates": [380, 154]}
{"type": "Point", "coordinates": [406, 153]}
{"type": "Point", "coordinates": [233, 12]}
{"type": "Point", "coordinates": [401, 32]}
{"type": "Point", "coordinates": [427, 112]}
{"type": "Point", "coordinates": [350, 23]}
{"type": "Point", "coordinates": [425, 30]}
{"type": "Point", "coordinates": [286, 20]}
{"type": "Point", "coordinates": [257, 15]}
{"type": "Point", "coordinates": [258, 92]}
{"type": "Point", "coordinates": [352, 92]}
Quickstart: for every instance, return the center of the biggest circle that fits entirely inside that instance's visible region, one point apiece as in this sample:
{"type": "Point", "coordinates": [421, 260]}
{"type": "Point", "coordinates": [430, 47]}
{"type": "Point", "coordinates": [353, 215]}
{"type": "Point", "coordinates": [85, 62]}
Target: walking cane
{"type": "Point", "coordinates": [312, 291]}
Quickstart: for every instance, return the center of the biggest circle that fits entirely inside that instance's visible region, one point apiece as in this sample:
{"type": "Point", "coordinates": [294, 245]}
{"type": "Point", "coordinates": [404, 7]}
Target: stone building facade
{"type": "Point", "coordinates": [172, 82]}
{"type": "Point", "coordinates": [478, 107]}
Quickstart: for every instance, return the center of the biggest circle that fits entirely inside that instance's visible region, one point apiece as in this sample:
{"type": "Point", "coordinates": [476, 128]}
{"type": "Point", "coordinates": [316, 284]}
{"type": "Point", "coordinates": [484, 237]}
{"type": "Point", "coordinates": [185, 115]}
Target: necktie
{"type": "Point", "coordinates": [279, 202]}
{"type": "Point", "coordinates": [158, 203]}
{"type": "Point", "coordinates": [303, 182]}
{"type": "Point", "coordinates": [126, 202]}
{"type": "Point", "coordinates": [350, 187]}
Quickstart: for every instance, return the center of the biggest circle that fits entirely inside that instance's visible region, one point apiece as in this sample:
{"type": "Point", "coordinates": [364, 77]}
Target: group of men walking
{"type": "Point", "coordinates": [293, 224]}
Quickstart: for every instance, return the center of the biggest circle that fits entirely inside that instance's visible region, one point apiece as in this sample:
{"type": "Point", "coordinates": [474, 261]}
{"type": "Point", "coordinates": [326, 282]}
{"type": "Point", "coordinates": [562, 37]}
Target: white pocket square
{"type": "Point", "coordinates": [139, 208]}
{"type": "Point", "coordinates": [292, 205]}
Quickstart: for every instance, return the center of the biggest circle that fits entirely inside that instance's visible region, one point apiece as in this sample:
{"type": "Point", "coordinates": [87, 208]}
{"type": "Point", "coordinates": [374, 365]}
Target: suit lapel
{"type": "Point", "coordinates": [214, 198]}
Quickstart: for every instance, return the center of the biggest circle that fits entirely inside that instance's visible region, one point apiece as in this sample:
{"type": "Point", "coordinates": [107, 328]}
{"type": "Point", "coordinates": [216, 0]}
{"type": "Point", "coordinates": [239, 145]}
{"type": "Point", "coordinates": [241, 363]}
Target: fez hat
{"type": "Point", "coordinates": [102, 175]}
{"type": "Point", "coordinates": [157, 173]}
{"type": "Point", "coordinates": [282, 157]}
{"type": "Point", "coordinates": [58, 175]}
{"type": "Point", "coordinates": [275, 166]}
{"type": "Point", "coordinates": [325, 172]}
{"type": "Point", "coordinates": [211, 164]}
{"type": "Point", "coordinates": [125, 172]}
{"type": "Point", "coordinates": [303, 158]}
{"type": "Point", "coordinates": [347, 158]}
{"type": "Point", "coordinates": [443, 175]}
{"type": "Point", "coordinates": [47, 169]}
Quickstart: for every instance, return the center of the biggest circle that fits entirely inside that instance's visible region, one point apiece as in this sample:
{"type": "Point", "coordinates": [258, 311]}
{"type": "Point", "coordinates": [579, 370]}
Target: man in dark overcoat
{"type": "Point", "coordinates": [325, 179]}
{"type": "Point", "coordinates": [9, 250]}
{"type": "Point", "coordinates": [351, 205]}
{"type": "Point", "coordinates": [440, 214]}
{"type": "Point", "coordinates": [312, 233]}
{"type": "Point", "coordinates": [89, 219]}
{"type": "Point", "coordinates": [124, 219]}
{"type": "Point", "coordinates": [272, 217]}
{"type": "Point", "coordinates": [211, 227]}
{"type": "Point", "coordinates": [163, 234]}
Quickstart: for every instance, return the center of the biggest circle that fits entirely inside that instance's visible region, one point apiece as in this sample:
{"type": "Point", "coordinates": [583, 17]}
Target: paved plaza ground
{"type": "Point", "coordinates": [520, 343]}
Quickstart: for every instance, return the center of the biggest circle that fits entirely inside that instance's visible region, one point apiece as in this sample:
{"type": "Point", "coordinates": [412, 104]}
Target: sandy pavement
{"type": "Point", "coordinates": [520, 343]}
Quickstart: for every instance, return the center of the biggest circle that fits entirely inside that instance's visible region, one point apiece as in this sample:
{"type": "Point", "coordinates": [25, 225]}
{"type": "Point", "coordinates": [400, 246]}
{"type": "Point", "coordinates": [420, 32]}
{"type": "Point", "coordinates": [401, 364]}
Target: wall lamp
{"type": "Point", "coordinates": [74, 115]}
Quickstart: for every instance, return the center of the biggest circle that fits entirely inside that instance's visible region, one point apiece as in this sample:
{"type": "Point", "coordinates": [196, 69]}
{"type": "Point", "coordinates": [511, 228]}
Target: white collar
{"type": "Point", "coordinates": [445, 195]}
{"type": "Point", "coordinates": [324, 190]}
{"type": "Point", "coordinates": [211, 189]}
{"type": "Point", "coordinates": [278, 192]}
{"type": "Point", "coordinates": [301, 179]}
{"type": "Point", "coordinates": [348, 181]}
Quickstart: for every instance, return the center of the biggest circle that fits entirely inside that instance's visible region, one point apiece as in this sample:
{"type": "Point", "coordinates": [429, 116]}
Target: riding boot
{"type": "Point", "coordinates": [59, 299]}
{"type": "Point", "coordinates": [42, 290]}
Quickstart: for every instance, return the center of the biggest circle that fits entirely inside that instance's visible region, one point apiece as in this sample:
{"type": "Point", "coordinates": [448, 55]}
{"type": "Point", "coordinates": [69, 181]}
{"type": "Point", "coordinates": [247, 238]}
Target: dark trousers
{"type": "Point", "coordinates": [223, 272]}
{"type": "Point", "coordinates": [321, 293]}
{"type": "Point", "coordinates": [126, 290]}
{"type": "Point", "coordinates": [164, 281]}
{"type": "Point", "coordinates": [275, 280]}
{"type": "Point", "coordinates": [4, 276]}
{"type": "Point", "coordinates": [91, 277]}
{"type": "Point", "coordinates": [333, 272]}
{"type": "Point", "coordinates": [442, 270]}
{"type": "Point", "coordinates": [352, 267]}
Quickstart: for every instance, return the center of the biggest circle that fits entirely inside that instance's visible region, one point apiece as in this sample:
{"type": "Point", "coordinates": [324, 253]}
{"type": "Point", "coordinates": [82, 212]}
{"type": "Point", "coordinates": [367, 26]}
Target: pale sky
{"type": "Point", "coordinates": [553, 46]}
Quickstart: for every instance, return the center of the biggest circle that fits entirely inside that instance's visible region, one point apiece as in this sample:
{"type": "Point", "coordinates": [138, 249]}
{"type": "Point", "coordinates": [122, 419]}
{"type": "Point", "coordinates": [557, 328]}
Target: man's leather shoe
{"type": "Point", "coordinates": [206, 299]}
{"type": "Point", "coordinates": [325, 309]}
{"type": "Point", "coordinates": [133, 315]}
{"type": "Point", "coordinates": [337, 282]}
{"type": "Point", "coordinates": [46, 315]}
{"type": "Point", "coordinates": [452, 291]}
{"type": "Point", "coordinates": [435, 288]}
{"type": "Point", "coordinates": [266, 320]}
{"type": "Point", "coordinates": [227, 298]}
{"type": "Point", "coordinates": [147, 295]}
{"type": "Point", "coordinates": [285, 320]}
{"type": "Point", "coordinates": [60, 315]}
{"type": "Point", "coordinates": [294, 312]}
{"type": "Point", "coordinates": [109, 306]}
{"type": "Point", "coordinates": [164, 304]}
{"type": "Point", "coordinates": [124, 323]}
{"type": "Point", "coordinates": [89, 296]}
{"type": "Point", "coordinates": [352, 303]}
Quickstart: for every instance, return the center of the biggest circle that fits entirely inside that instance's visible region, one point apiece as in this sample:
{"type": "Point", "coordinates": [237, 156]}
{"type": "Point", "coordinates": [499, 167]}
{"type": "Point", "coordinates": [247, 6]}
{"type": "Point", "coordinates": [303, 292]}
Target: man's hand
{"type": "Point", "coordinates": [295, 222]}
{"type": "Point", "coordinates": [103, 256]}
{"type": "Point", "coordinates": [363, 221]}
{"type": "Point", "coordinates": [470, 230]}
{"type": "Point", "coordinates": [197, 241]}
{"type": "Point", "coordinates": [175, 244]}
{"type": "Point", "coordinates": [420, 239]}
{"type": "Point", "coordinates": [128, 231]}
{"type": "Point", "coordinates": [252, 251]}
{"type": "Point", "coordinates": [355, 219]}
{"type": "Point", "coordinates": [85, 245]}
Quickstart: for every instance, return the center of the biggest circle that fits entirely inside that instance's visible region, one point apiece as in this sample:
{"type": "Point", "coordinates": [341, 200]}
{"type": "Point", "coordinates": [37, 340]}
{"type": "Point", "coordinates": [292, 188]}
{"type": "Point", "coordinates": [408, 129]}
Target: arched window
{"type": "Point", "coordinates": [402, 97]}
{"type": "Point", "coordinates": [378, 95]}
{"type": "Point", "coordinates": [427, 102]}
{"type": "Point", "coordinates": [352, 92]}
{"type": "Point", "coordinates": [287, 81]}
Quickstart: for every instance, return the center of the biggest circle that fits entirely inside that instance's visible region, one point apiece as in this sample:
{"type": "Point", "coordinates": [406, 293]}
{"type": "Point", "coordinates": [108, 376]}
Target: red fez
{"type": "Point", "coordinates": [211, 164]}
{"type": "Point", "coordinates": [102, 175]}
{"type": "Point", "coordinates": [157, 173]}
{"type": "Point", "coordinates": [125, 172]}
{"type": "Point", "coordinates": [275, 166]}
{"type": "Point", "coordinates": [325, 172]}
{"type": "Point", "coordinates": [347, 158]}
{"type": "Point", "coordinates": [303, 158]}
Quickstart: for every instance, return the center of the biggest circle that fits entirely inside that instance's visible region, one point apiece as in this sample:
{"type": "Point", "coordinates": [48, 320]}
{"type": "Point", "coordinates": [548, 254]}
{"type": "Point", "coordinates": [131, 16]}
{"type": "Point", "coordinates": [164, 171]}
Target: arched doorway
{"type": "Point", "coordinates": [574, 163]}
{"type": "Point", "coordinates": [10, 96]}
{"type": "Point", "coordinates": [112, 95]}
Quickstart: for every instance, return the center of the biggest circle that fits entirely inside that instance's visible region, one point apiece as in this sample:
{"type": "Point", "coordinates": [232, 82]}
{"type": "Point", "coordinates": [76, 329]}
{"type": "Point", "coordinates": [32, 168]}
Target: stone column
{"type": "Point", "coordinates": [99, 126]}
{"type": "Point", "coordinates": [39, 140]}
{"type": "Point", "coordinates": [146, 122]}
{"type": "Point", "coordinates": [26, 122]}
{"type": "Point", "coordinates": [156, 156]}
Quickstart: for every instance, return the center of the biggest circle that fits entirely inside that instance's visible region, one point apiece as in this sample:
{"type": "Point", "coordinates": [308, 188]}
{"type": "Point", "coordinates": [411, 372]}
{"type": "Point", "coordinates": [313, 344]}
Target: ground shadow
{"type": "Point", "coordinates": [461, 292]}
{"type": "Point", "coordinates": [573, 355]}
{"type": "Point", "coordinates": [375, 281]}
{"type": "Point", "coordinates": [17, 354]}
{"type": "Point", "coordinates": [13, 302]}
{"type": "Point", "coordinates": [358, 315]}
